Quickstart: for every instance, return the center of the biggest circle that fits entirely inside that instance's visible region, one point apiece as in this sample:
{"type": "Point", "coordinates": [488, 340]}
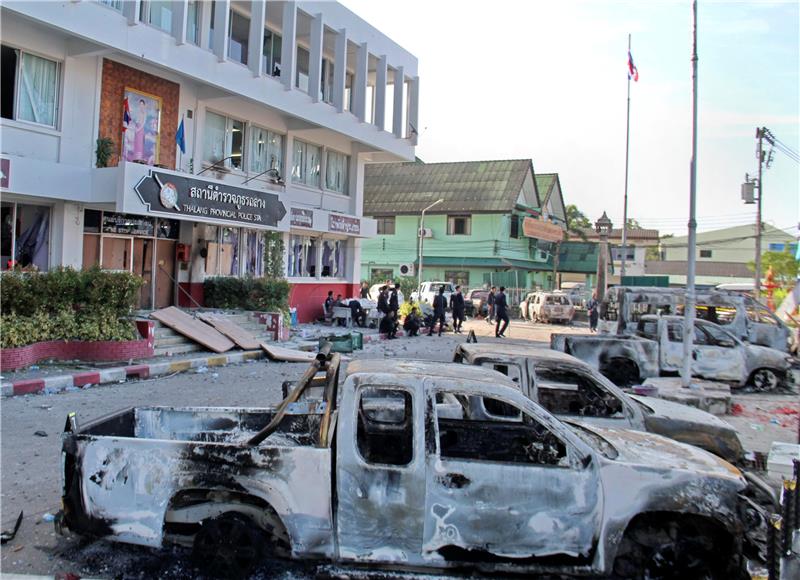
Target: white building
{"type": "Point", "coordinates": [282, 104]}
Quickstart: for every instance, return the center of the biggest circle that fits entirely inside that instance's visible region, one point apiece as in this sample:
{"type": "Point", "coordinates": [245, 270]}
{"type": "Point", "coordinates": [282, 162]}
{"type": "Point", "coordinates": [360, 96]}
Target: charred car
{"type": "Point", "coordinates": [657, 349]}
{"type": "Point", "coordinates": [393, 470]}
{"type": "Point", "coordinates": [547, 307]}
{"type": "Point", "coordinates": [571, 389]}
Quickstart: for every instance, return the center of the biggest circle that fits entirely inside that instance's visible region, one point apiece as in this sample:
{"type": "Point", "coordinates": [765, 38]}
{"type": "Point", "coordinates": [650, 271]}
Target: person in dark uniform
{"type": "Point", "coordinates": [394, 300]}
{"type": "Point", "coordinates": [388, 325]}
{"type": "Point", "coordinates": [329, 304]}
{"type": "Point", "coordinates": [383, 301]}
{"type": "Point", "coordinates": [439, 307]}
{"type": "Point", "coordinates": [357, 313]}
{"type": "Point", "coordinates": [501, 312]}
{"type": "Point", "coordinates": [413, 321]}
{"type": "Point", "coordinates": [457, 306]}
{"type": "Point", "coordinates": [490, 300]}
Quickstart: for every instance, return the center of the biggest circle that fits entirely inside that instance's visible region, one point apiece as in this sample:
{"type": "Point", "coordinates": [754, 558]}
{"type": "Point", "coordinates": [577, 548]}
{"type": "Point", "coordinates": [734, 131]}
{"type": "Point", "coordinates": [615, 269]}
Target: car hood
{"type": "Point", "coordinates": [661, 454]}
{"type": "Point", "coordinates": [684, 413]}
{"type": "Point", "coordinates": [764, 356]}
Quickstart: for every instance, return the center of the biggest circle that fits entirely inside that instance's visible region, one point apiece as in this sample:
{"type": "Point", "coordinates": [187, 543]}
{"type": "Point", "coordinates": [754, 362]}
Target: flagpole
{"type": "Point", "coordinates": [627, 146]}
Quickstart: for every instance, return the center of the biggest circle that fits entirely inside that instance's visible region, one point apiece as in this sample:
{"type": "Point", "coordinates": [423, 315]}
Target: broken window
{"type": "Point", "coordinates": [512, 370]}
{"type": "Point", "coordinates": [475, 438]}
{"type": "Point", "coordinates": [759, 314]}
{"type": "Point", "coordinates": [719, 336]}
{"type": "Point", "coordinates": [566, 392]}
{"type": "Point", "coordinates": [675, 332]}
{"type": "Point", "coordinates": [385, 432]}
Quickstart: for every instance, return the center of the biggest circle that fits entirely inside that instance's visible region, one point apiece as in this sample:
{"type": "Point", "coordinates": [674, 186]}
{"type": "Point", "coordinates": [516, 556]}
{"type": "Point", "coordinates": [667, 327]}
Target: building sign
{"type": "Point", "coordinates": [131, 225]}
{"type": "Point", "coordinates": [5, 171]}
{"type": "Point", "coordinates": [542, 230]}
{"type": "Point", "coordinates": [344, 224]}
{"type": "Point", "coordinates": [303, 218]}
{"type": "Point", "coordinates": [190, 198]}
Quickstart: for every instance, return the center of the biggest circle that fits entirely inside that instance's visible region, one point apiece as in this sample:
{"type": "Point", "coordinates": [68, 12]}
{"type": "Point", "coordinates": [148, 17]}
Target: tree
{"type": "Point", "coordinates": [633, 224]}
{"type": "Point", "coordinates": [783, 265]}
{"type": "Point", "coordinates": [653, 253]}
{"type": "Point", "coordinates": [576, 222]}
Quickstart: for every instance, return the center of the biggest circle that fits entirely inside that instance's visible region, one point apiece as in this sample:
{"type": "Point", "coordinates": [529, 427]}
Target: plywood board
{"type": "Point", "coordinates": [236, 333]}
{"type": "Point", "coordinates": [192, 328]}
{"type": "Point", "coordinates": [287, 354]}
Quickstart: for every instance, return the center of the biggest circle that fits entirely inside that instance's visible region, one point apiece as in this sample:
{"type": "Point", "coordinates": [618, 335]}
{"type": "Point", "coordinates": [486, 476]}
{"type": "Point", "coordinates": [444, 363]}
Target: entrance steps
{"type": "Point", "coordinates": [168, 342]}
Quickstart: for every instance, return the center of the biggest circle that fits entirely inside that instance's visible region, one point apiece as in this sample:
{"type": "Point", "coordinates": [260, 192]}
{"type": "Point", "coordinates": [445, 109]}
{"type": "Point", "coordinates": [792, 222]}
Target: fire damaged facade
{"type": "Point", "coordinates": [395, 470]}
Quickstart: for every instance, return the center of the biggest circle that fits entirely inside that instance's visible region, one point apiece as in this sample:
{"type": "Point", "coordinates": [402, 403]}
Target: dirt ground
{"type": "Point", "coordinates": [31, 459]}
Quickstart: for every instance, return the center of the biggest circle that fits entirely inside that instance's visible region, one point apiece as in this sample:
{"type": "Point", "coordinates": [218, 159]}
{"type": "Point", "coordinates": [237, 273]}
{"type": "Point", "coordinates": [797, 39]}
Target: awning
{"type": "Point", "coordinates": [468, 262]}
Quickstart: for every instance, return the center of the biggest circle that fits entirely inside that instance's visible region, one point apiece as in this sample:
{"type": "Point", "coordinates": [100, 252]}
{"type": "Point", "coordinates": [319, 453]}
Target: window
{"type": "Point", "coordinates": [617, 253]}
{"type": "Point", "coordinates": [459, 225]}
{"type": "Point", "coordinates": [238, 37]}
{"type": "Point", "coordinates": [510, 436]}
{"type": "Point", "coordinates": [719, 336]}
{"type": "Point", "coordinates": [675, 332]}
{"type": "Point", "coordinates": [334, 258]}
{"type": "Point", "coordinates": [301, 77]}
{"type": "Point", "coordinates": [222, 251]}
{"type": "Point", "coordinates": [159, 13]}
{"type": "Point", "coordinates": [705, 253]}
{"type": "Point", "coordinates": [758, 313]}
{"type": "Point", "coordinates": [302, 257]}
{"type": "Point", "coordinates": [385, 432]}
{"type": "Point", "coordinates": [514, 227]}
{"type": "Point", "coordinates": [193, 22]}
{"type": "Point", "coordinates": [25, 237]}
{"type": "Point", "coordinates": [385, 225]}
{"type": "Point", "coordinates": [566, 392]}
{"type": "Point", "coordinates": [457, 277]}
{"type": "Point", "coordinates": [348, 91]}
{"type": "Point", "coordinates": [326, 82]}
{"type": "Point", "coordinates": [272, 53]}
{"type": "Point", "coordinates": [336, 171]}
{"type": "Point", "coordinates": [305, 163]}
{"type": "Point", "coordinates": [223, 139]}
{"type": "Point", "coordinates": [381, 274]}
{"type": "Point", "coordinates": [266, 150]}
{"type": "Point", "coordinates": [253, 253]}
{"type": "Point", "coordinates": [115, 4]}
{"type": "Point", "coordinates": [30, 87]}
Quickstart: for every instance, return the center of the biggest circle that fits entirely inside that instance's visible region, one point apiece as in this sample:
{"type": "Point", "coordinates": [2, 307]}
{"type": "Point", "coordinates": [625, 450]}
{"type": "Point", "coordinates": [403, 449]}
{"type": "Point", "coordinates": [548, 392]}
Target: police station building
{"type": "Point", "coordinates": [170, 138]}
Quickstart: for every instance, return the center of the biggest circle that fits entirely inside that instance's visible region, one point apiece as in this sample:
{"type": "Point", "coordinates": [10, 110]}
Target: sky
{"type": "Point", "coordinates": [548, 81]}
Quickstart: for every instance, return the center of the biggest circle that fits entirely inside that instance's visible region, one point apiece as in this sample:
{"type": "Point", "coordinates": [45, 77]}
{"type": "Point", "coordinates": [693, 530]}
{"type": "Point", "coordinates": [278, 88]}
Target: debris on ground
{"type": "Point", "coordinates": [6, 537]}
{"type": "Point", "coordinates": [40, 433]}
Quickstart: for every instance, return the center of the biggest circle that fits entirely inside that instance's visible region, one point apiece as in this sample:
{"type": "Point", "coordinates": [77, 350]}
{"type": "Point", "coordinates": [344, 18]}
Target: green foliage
{"type": "Point", "coordinates": [263, 294]}
{"type": "Point", "coordinates": [273, 254]}
{"type": "Point", "coordinates": [576, 221]}
{"type": "Point", "coordinates": [783, 265]}
{"type": "Point", "coordinates": [105, 150]}
{"type": "Point", "coordinates": [66, 304]}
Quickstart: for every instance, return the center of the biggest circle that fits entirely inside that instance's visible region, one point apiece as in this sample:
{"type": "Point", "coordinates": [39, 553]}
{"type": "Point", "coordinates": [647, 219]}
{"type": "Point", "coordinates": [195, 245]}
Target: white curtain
{"type": "Point", "coordinates": [214, 138]}
{"type": "Point", "coordinates": [336, 172]}
{"type": "Point", "coordinates": [312, 165]}
{"type": "Point", "coordinates": [38, 93]}
{"type": "Point", "coordinates": [276, 152]}
{"type": "Point", "coordinates": [259, 143]}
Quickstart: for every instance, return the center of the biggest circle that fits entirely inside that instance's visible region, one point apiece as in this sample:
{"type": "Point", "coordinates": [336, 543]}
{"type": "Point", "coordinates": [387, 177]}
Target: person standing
{"type": "Point", "coordinates": [490, 300]}
{"type": "Point", "coordinates": [364, 291]}
{"type": "Point", "coordinates": [593, 308]}
{"type": "Point", "coordinates": [394, 300]}
{"type": "Point", "coordinates": [383, 301]}
{"type": "Point", "coordinates": [439, 307]}
{"type": "Point", "coordinates": [457, 306]}
{"type": "Point", "coordinates": [501, 313]}
{"type": "Point", "coordinates": [329, 304]}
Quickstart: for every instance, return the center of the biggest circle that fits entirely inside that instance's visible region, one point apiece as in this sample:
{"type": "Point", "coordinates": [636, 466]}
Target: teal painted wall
{"type": "Point", "coordinates": [489, 238]}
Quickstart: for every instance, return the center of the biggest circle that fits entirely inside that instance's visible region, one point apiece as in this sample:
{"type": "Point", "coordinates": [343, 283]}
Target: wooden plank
{"type": "Point", "coordinates": [232, 330]}
{"type": "Point", "coordinates": [198, 331]}
{"type": "Point", "coordinates": [287, 354]}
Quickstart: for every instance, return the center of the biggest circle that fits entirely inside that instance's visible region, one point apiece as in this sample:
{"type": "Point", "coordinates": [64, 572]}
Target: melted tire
{"type": "Point", "coordinates": [228, 546]}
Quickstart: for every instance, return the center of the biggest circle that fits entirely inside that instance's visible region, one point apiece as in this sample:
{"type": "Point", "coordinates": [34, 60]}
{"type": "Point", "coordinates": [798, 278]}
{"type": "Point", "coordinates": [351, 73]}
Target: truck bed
{"type": "Point", "coordinates": [601, 350]}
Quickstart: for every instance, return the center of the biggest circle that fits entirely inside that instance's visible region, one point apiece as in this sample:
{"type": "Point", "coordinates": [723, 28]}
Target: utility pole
{"type": "Point", "coordinates": [760, 156]}
{"type": "Point", "coordinates": [625, 202]}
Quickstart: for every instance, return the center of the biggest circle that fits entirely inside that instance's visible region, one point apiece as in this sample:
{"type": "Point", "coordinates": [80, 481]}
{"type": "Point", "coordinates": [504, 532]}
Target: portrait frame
{"type": "Point", "coordinates": [141, 140]}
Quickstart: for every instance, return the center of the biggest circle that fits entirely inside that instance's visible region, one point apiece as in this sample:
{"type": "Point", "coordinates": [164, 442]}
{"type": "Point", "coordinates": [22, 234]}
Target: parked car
{"type": "Point", "coordinates": [577, 294]}
{"type": "Point", "coordinates": [744, 317]}
{"type": "Point", "coordinates": [547, 307]}
{"type": "Point", "coordinates": [476, 303]}
{"type": "Point", "coordinates": [428, 290]}
{"type": "Point", "coordinates": [570, 388]}
{"type": "Point", "coordinates": [657, 348]}
{"type": "Point", "coordinates": [398, 471]}
{"type": "Point", "coordinates": [375, 289]}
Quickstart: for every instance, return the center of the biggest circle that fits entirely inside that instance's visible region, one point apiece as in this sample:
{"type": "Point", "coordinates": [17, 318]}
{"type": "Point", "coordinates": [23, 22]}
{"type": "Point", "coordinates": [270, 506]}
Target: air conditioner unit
{"type": "Point", "coordinates": [406, 269]}
{"type": "Point", "coordinates": [425, 233]}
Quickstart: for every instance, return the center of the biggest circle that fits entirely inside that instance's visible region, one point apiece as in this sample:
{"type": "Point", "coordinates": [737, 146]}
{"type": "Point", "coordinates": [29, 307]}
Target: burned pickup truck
{"type": "Point", "coordinates": [387, 471]}
{"type": "Point", "coordinates": [571, 389]}
{"type": "Point", "coordinates": [657, 348]}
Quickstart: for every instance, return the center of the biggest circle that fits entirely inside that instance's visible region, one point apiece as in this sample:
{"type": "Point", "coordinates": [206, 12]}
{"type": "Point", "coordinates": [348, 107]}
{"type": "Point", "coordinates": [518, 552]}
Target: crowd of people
{"type": "Point", "coordinates": [414, 321]}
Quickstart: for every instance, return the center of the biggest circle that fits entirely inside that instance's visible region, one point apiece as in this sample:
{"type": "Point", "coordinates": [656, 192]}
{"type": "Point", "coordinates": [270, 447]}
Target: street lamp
{"type": "Point", "coordinates": [603, 228]}
{"type": "Point", "coordinates": [420, 233]}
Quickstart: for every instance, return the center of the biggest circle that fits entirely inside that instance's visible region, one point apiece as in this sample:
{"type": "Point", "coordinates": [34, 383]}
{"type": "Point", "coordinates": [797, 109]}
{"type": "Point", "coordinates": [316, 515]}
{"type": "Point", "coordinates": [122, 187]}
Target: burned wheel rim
{"type": "Point", "coordinates": [765, 380]}
{"type": "Point", "coordinates": [228, 546]}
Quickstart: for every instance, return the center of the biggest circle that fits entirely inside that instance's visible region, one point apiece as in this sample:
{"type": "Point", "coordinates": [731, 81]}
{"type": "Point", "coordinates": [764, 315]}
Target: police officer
{"type": "Point", "coordinates": [501, 312]}
{"type": "Point", "coordinates": [457, 306]}
{"type": "Point", "coordinates": [439, 307]}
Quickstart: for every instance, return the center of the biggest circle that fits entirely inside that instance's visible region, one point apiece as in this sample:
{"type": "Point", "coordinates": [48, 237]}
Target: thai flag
{"type": "Point", "coordinates": [633, 72]}
{"type": "Point", "coordinates": [126, 114]}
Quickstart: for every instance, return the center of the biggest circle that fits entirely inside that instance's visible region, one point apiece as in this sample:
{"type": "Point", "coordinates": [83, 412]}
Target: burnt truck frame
{"type": "Point", "coordinates": [657, 349]}
{"type": "Point", "coordinates": [392, 470]}
{"type": "Point", "coordinates": [744, 317]}
{"type": "Point", "coordinates": [571, 389]}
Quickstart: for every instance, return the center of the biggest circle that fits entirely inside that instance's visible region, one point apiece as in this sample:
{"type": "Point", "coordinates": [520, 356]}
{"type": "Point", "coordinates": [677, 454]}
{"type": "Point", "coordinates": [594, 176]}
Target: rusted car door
{"type": "Point", "coordinates": [381, 473]}
{"type": "Point", "coordinates": [506, 488]}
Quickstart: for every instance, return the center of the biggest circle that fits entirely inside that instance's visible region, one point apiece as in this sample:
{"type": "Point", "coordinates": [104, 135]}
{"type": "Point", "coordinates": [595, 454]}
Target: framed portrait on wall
{"type": "Point", "coordinates": [141, 119]}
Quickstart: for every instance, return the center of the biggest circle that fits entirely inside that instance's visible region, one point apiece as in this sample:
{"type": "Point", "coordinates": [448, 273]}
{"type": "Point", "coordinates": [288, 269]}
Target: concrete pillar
{"type": "Point", "coordinates": [67, 237]}
{"type": "Point", "coordinates": [315, 58]}
{"type": "Point", "coordinates": [413, 110]}
{"type": "Point", "coordinates": [130, 10]}
{"type": "Point", "coordinates": [380, 93]}
{"type": "Point", "coordinates": [255, 49]}
{"type": "Point", "coordinates": [180, 13]}
{"type": "Point", "coordinates": [204, 27]}
{"type": "Point", "coordinates": [340, 70]}
{"type": "Point", "coordinates": [289, 45]}
{"type": "Point", "coordinates": [397, 122]}
{"type": "Point", "coordinates": [360, 83]}
{"type": "Point", "coordinates": [222, 17]}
